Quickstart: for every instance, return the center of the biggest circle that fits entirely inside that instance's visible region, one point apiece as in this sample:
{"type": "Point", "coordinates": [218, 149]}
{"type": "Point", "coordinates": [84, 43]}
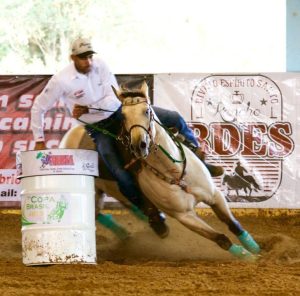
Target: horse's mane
{"type": "Point", "coordinates": [131, 94]}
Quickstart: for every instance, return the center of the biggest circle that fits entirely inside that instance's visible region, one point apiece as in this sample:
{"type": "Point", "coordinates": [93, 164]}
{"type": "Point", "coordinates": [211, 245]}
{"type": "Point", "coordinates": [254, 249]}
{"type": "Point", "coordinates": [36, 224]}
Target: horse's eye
{"type": "Point", "coordinates": [147, 112]}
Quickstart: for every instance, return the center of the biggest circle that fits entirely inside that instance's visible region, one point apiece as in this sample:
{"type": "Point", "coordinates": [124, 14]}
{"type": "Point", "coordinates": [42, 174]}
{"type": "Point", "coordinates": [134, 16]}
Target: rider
{"type": "Point", "coordinates": [86, 84]}
{"type": "Point", "coordinates": [239, 170]}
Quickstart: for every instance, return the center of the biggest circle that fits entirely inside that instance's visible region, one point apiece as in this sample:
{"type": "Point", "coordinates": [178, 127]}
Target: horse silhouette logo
{"type": "Point", "coordinates": [239, 181]}
{"type": "Point", "coordinates": [239, 118]}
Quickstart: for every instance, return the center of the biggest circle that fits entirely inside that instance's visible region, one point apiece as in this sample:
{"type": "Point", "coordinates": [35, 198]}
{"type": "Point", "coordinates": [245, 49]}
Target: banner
{"type": "Point", "coordinates": [247, 123]}
{"type": "Point", "coordinates": [17, 94]}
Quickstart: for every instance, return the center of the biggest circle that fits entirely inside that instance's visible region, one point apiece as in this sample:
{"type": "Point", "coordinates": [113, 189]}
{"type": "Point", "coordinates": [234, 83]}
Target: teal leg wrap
{"type": "Point", "coordinates": [241, 253]}
{"type": "Point", "coordinates": [248, 242]}
{"type": "Point", "coordinates": [107, 221]}
{"type": "Point", "coordinates": [138, 213]}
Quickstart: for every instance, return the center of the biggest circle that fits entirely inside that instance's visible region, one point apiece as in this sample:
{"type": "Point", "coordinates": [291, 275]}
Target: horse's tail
{"type": "Point", "coordinates": [254, 183]}
{"type": "Point", "coordinates": [256, 186]}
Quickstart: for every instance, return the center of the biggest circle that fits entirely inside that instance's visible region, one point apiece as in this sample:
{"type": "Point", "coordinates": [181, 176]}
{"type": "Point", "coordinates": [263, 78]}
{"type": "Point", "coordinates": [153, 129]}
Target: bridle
{"type": "Point", "coordinates": [135, 101]}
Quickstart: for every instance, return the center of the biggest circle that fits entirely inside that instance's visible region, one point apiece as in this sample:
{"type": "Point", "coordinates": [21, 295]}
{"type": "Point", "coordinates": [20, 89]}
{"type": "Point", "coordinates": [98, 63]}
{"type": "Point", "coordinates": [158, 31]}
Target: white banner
{"type": "Point", "coordinates": [57, 162]}
{"type": "Point", "coordinates": [249, 124]}
{"type": "Point", "coordinates": [9, 186]}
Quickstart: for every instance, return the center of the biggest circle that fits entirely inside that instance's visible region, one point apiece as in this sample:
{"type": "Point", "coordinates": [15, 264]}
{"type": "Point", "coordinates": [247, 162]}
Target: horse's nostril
{"type": "Point", "coordinates": [143, 145]}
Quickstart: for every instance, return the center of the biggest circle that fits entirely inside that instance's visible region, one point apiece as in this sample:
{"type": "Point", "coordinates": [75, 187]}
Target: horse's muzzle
{"type": "Point", "coordinates": [139, 145]}
{"type": "Point", "coordinates": [140, 150]}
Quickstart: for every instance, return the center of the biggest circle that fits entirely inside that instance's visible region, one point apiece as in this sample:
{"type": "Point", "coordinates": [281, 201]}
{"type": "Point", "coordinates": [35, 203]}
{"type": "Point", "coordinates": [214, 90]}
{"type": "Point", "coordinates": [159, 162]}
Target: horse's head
{"type": "Point", "coordinates": [137, 118]}
{"type": "Point", "coordinates": [225, 179]}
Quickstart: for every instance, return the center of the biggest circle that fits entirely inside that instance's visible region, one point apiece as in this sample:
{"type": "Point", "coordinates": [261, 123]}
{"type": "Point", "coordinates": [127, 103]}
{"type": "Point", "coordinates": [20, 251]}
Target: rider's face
{"type": "Point", "coordinates": [83, 65]}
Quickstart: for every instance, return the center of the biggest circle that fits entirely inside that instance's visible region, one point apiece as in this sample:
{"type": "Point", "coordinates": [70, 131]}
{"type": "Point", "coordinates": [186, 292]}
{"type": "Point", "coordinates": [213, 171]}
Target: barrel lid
{"type": "Point", "coordinates": [57, 162]}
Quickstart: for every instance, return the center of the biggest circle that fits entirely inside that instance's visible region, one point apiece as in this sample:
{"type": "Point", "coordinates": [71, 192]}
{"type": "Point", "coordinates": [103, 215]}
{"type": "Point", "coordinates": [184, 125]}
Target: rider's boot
{"type": "Point", "coordinates": [157, 221]}
{"type": "Point", "coordinates": [156, 218]}
{"type": "Point", "coordinates": [214, 170]}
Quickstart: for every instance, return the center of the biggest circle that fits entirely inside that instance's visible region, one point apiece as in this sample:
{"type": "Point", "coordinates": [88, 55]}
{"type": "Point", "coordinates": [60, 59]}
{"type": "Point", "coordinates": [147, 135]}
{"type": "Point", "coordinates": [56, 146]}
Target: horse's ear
{"type": "Point", "coordinates": [145, 89]}
{"type": "Point", "coordinates": [116, 92]}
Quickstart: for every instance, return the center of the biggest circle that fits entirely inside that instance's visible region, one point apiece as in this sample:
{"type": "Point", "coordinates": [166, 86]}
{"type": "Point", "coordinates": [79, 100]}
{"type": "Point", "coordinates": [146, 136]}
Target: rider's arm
{"type": "Point", "coordinates": [108, 98]}
{"type": "Point", "coordinates": [43, 102]}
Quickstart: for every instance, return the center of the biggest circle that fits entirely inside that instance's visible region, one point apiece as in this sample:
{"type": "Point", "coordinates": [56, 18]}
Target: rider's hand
{"type": "Point", "coordinates": [40, 146]}
{"type": "Point", "coordinates": [79, 110]}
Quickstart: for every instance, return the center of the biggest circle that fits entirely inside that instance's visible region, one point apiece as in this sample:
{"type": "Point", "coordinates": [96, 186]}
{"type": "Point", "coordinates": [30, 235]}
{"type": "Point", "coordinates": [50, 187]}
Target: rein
{"type": "Point", "coordinates": [99, 129]}
{"type": "Point", "coordinates": [177, 143]}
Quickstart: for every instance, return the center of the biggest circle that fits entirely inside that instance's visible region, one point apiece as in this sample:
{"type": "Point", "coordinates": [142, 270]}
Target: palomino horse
{"type": "Point", "coordinates": [237, 183]}
{"type": "Point", "coordinates": [174, 179]}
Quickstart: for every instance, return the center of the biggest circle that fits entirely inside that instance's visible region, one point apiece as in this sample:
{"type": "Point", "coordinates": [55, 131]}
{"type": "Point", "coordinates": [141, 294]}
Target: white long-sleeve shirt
{"type": "Point", "coordinates": [92, 89]}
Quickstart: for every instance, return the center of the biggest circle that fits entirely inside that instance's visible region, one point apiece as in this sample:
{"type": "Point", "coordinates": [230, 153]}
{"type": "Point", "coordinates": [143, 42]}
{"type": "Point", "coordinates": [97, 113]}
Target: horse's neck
{"type": "Point", "coordinates": [162, 137]}
{"type": "Point", "coordinates": [157, 156]}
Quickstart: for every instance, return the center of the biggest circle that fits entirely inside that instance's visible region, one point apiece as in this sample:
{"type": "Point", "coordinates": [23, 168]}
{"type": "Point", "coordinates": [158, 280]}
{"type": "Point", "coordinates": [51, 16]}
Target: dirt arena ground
{"type": "Point", "coordinates": [182, 264]}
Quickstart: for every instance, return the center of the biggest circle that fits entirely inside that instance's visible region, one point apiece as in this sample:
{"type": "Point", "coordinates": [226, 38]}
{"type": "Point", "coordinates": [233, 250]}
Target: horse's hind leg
{"type": "Point", "coordinates": [221, 209]}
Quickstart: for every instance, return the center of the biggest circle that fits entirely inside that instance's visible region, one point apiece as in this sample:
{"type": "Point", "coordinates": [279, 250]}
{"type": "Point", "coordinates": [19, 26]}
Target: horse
{"type": "Point", "coordinates": [237, 182]}
{"type": "Point", "coordinates": [173, 178]}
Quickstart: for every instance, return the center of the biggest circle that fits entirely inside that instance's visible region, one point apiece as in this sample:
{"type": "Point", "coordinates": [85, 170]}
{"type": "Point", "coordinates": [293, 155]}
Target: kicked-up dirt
{"type": "Point", "coordinates": [182, 264]}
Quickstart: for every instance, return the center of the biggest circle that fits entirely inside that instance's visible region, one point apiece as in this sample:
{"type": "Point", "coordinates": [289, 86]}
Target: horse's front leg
{"type": "Point", "coordinates": [250, 190]}
{"type": "Point", "coordinates": [194, 223]}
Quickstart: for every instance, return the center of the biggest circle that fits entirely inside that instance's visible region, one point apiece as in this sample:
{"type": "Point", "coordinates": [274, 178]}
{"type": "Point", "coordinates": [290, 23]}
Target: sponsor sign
{"type": "Point", "coordinates": [9, 186]}
{"type": "Point", "coordinates": [53, 208]}
{"type": "Point", "coordinates": [247, 124]}
{"type": "Point", "coordinates": [57, 162]}
{"type": "Point", "coordinates": [49, 208]}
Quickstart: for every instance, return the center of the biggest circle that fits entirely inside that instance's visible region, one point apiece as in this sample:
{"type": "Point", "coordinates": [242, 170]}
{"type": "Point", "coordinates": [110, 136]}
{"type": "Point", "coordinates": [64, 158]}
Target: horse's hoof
{"type": "Point", "coordinates": [248, 242]}
{"type": "Point", "coordinates": [241, 253]}
{"type": "Point", "coordinates": [121, 233]}
{"type": "Point", "coordinates": [160, 228]}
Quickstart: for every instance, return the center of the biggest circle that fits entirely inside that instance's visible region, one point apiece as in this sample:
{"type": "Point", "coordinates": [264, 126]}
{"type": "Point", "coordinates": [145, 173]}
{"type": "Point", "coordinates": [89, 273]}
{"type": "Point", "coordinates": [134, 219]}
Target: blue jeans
{"type": "Point", "coordinates": [174, 119]}
{"type": "Point", "coordinates": [106, 147]}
